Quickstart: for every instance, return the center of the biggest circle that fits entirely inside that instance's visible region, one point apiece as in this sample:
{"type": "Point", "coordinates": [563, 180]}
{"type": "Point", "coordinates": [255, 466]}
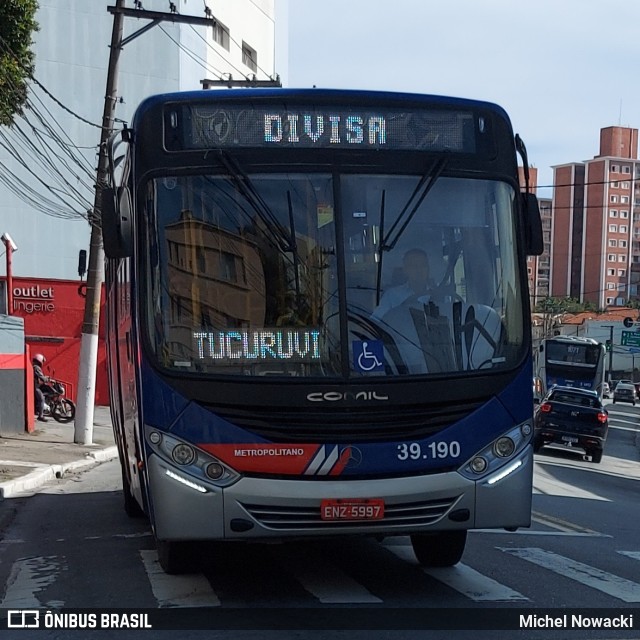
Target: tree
{"type": "Point", "coordinates": [17, 25]}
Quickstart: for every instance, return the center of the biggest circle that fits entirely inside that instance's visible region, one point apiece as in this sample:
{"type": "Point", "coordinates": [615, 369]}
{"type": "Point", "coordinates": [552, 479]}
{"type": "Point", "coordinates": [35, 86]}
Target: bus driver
{"type": "Point", "coordinates": [417, 286]}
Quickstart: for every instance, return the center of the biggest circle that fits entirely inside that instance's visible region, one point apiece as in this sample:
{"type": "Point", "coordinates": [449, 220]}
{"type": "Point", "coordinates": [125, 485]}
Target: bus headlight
{"type": "Point", "coordinates": [504, 447]}
{"type": "Point", "coordinates": [478, 464]}
{"type": "Point", "coordinates": [183, 454]}
{"type": "Point", "coordinates": [200, 466]}
{"type": "Point", "coordinates": [497, 453]}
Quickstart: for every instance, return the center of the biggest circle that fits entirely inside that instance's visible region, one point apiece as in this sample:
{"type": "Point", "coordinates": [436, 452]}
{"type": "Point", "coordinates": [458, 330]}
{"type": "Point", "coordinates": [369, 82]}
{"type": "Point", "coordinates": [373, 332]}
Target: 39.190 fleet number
{"type": "Point", "coordinates": [441, 449]}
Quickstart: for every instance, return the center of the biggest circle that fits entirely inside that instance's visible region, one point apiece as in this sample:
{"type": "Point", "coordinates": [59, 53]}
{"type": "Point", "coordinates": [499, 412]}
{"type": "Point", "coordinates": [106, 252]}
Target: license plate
{"type": "Point", "coordinates": [569, 439]}
{"type": "Point", "coordinates": [352, 509]}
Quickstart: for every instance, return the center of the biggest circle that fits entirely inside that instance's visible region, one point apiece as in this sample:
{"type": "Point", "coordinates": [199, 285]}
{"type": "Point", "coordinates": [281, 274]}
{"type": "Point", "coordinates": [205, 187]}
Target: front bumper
{"type": "Point", "coordinates": [265, 508]}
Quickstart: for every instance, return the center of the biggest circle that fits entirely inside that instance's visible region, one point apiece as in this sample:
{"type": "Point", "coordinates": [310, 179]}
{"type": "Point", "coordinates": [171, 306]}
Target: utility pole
{"type": "Point", "coordinates": [83, 432]}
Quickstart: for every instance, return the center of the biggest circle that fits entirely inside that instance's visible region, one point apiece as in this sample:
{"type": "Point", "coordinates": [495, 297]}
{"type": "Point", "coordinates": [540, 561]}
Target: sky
{"type": "Point", "coordinates": [562, 69]}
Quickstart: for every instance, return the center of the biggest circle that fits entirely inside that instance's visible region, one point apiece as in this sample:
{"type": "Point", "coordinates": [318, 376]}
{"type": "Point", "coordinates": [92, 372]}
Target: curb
{"type": "Point", "coordinates": [48, 473]}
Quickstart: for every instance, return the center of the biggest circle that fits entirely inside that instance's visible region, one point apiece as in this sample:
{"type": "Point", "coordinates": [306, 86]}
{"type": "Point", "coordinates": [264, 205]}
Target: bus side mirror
{"type": "Point", "coordinates": [532, 225]}
{"type": "Point", "coordinates": [117, 231]}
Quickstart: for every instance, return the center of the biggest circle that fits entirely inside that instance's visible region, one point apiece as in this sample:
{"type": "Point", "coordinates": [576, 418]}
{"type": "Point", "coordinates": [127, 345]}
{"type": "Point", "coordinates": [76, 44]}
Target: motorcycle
{"type": "Point", "coordinates": [61, 409]}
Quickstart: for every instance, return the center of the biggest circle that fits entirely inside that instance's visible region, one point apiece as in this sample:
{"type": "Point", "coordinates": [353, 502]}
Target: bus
{"type": "Point", "coordinates": [570, 361]}
{"type": "Point", "coordinates": [277, 367]}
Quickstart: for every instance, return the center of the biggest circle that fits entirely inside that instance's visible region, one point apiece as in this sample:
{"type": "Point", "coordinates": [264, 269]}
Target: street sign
{"type": "Point", "coordinates": [628, 322]}
{"type": "Point", "coordinates": [630, 339]}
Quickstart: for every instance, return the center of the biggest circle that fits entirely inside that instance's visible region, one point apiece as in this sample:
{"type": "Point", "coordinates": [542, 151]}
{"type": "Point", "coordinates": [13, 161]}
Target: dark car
{"type": "Point", "coordinates": [625, 392]}
{"type": "Point", "coordinates": [574, 418]}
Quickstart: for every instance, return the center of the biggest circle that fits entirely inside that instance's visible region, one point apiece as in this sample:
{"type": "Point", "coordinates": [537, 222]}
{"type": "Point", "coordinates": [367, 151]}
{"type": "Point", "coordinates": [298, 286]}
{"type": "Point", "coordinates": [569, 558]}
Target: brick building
{"type": "Point", "coordinates": [595, 230]}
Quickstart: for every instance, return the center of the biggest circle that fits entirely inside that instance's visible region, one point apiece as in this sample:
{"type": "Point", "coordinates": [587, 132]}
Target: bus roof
{"type": "Point", "coordinates": [320, 95]}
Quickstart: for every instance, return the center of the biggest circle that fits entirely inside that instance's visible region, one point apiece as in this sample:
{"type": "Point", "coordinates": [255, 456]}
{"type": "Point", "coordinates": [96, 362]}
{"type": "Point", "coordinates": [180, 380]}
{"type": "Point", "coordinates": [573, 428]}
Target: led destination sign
{"type": "Point", "coordinates": [203, 126]}
{"type": "Point", "coordinates": [299, 345]}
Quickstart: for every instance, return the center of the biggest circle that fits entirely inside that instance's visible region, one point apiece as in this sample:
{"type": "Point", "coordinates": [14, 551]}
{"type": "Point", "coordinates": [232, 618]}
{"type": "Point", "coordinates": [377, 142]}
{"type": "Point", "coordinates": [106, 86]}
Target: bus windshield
{"type": "Point", "coordinates": [579, 355]}
{"type": "Point", "coordinates": [331, 274]}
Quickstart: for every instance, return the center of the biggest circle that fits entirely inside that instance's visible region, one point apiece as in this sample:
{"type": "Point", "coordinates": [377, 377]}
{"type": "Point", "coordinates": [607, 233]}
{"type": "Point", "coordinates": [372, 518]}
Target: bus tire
{"type": "Point", "coordinates": [596, 456]}
{"type": "Point", "coordinates": [174, 556]}
{"type": "Point", "coordinates": [441, 549]}
{"type": "Point", "coordinates": [131, 506]}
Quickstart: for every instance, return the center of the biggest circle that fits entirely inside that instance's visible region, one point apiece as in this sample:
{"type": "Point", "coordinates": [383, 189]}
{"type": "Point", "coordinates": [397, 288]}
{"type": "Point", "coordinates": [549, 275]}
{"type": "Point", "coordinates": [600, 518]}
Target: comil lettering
{"type": "Point", "coordinates": [293, 128]}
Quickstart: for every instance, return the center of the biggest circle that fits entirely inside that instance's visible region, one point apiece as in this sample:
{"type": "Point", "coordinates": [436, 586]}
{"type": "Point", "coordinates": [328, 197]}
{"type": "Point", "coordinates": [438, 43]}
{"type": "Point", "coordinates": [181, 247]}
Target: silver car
{"type": "Point", "coordinates": [625, 392]}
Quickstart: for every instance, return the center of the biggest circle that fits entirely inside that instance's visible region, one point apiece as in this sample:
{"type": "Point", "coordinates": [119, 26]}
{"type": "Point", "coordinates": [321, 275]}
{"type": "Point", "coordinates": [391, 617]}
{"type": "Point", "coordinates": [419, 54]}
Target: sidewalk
{"type": "Point", "coordinates": [29, 460]}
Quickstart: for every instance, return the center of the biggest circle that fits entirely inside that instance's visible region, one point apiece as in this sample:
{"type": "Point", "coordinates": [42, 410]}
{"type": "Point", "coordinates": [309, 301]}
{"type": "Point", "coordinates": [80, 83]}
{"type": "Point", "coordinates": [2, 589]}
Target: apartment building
{"type": "Point", "coordinates": [595, 227]}
{"type": "Point", "coordinates": [539, 267]}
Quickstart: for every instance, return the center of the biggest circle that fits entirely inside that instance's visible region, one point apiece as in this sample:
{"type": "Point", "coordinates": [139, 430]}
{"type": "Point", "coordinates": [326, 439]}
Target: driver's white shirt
{"type": "Point", "coordinates": [394, 297]}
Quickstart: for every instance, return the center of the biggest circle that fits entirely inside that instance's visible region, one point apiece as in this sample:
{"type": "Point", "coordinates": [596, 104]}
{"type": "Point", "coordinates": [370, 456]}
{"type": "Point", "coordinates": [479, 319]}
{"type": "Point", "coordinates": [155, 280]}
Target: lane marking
{"type": "Point", "coordinates": [630, 554]}
{"type": "Point", "coordinates": [463, 579]}
{"type": "Point", "coordinates": [544, 483]}
{"type": "Point", "coordinates": [331, 585]}
{"type": "Point", "coordinates": [29, 577]}
{"type": "Point", "coordinates": [177, 591]}
{"type": "Point", "coordinates": [561, 524]}
{"type": "Point", "coordinates": [615, 586]}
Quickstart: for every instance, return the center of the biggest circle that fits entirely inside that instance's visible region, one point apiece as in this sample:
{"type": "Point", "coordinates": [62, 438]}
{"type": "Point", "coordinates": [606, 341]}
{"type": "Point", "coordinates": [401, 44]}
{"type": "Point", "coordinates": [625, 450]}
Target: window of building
{"type": "Point", "coordinates": [624, 199]}
{"type": "Point", "coordinates": [623, 228]}
{"type": "Point", "coordinates": [625, 185]}
{"type": "Point", "coordinates": [249, 56]}
{"type": "Point", "coordinates": [621, 286]}
{"type": "Point", "coordinates": [626, 169]}
{"type": "Point", "coordinates": [611, 272]}
{"type": "Point", "coordinates": [624, 214]}
{"type": "Point", "coordinates": [614, 168]}
{"type": "Point", "coordinates": [615, 184]}
{"type": "Point", "coordinates": [621, 272]}
{"type": "Point", "coordinates": [622, 244]}
{"type": "Point", "coordinates": [613, 228]}
{"type": "Point", "coordinates": [609, 301]}
{"type": "Point", "coordinates": [613, 243]}
{"type": "Point", "coordinates": [221, 35]}
{"type": "Point", "coordinates": [613, 198]}
{"type": "Point", "coordinates": [611, 285]}
{"type": "Point", "coordinates": [613, 213]}
{"type": "Point", "coordinates": [227, 268]}
{"type": "Point", "coordinates": [611, 257]}
{"type": "Point", "coordinates": [622, 258]}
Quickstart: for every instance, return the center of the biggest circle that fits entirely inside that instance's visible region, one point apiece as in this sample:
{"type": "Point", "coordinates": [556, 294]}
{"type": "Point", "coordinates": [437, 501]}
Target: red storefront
{"type": "Point", "coordinates": [53, 311]}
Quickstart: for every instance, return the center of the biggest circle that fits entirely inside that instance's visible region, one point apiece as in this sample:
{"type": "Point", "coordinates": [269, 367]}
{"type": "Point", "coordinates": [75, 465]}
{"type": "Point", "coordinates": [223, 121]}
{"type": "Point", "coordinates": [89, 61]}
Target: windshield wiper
{"type": "Point", "coordinates": [239, 177]}
{"type": "Point", "coordinates": [420, 192]}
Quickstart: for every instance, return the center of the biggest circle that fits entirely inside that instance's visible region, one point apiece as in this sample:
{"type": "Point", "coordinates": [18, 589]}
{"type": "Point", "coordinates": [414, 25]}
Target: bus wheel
{"type": "Point", "coordinates": [442, 549]}
{"type": "Point", "coordinates": [174, 556]}
{"type": "Point", "coordinates": [596, 455]}
{"type": "Point", "coordinates": [131, 506]}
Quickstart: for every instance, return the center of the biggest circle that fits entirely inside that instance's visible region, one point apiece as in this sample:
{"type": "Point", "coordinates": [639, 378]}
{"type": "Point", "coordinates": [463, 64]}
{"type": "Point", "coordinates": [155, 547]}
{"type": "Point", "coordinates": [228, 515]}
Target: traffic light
{"type": "Point", "coordinates": [628, 322]}
{"type": "Point", "coordinates": [608, 345]}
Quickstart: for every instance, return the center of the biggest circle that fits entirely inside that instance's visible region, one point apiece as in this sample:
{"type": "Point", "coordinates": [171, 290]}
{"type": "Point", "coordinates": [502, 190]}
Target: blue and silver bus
{"type": "Point", "coordinates": [570, 361]}
{"type": "Point", "coordinates": [318, 318]}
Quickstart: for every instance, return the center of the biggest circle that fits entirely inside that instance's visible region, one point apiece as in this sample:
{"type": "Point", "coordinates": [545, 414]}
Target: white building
{"type": "Point", "coordinates": [46, 190]}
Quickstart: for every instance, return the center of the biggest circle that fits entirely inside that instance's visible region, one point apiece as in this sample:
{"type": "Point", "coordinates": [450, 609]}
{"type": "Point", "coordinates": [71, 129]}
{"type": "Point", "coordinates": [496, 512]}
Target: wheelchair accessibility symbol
{"type": "Point", "coordinates": [368, 355]}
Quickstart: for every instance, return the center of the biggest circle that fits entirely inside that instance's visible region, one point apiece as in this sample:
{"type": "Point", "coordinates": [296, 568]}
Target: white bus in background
{"type": "Point", "coordinates": [569, 361]}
